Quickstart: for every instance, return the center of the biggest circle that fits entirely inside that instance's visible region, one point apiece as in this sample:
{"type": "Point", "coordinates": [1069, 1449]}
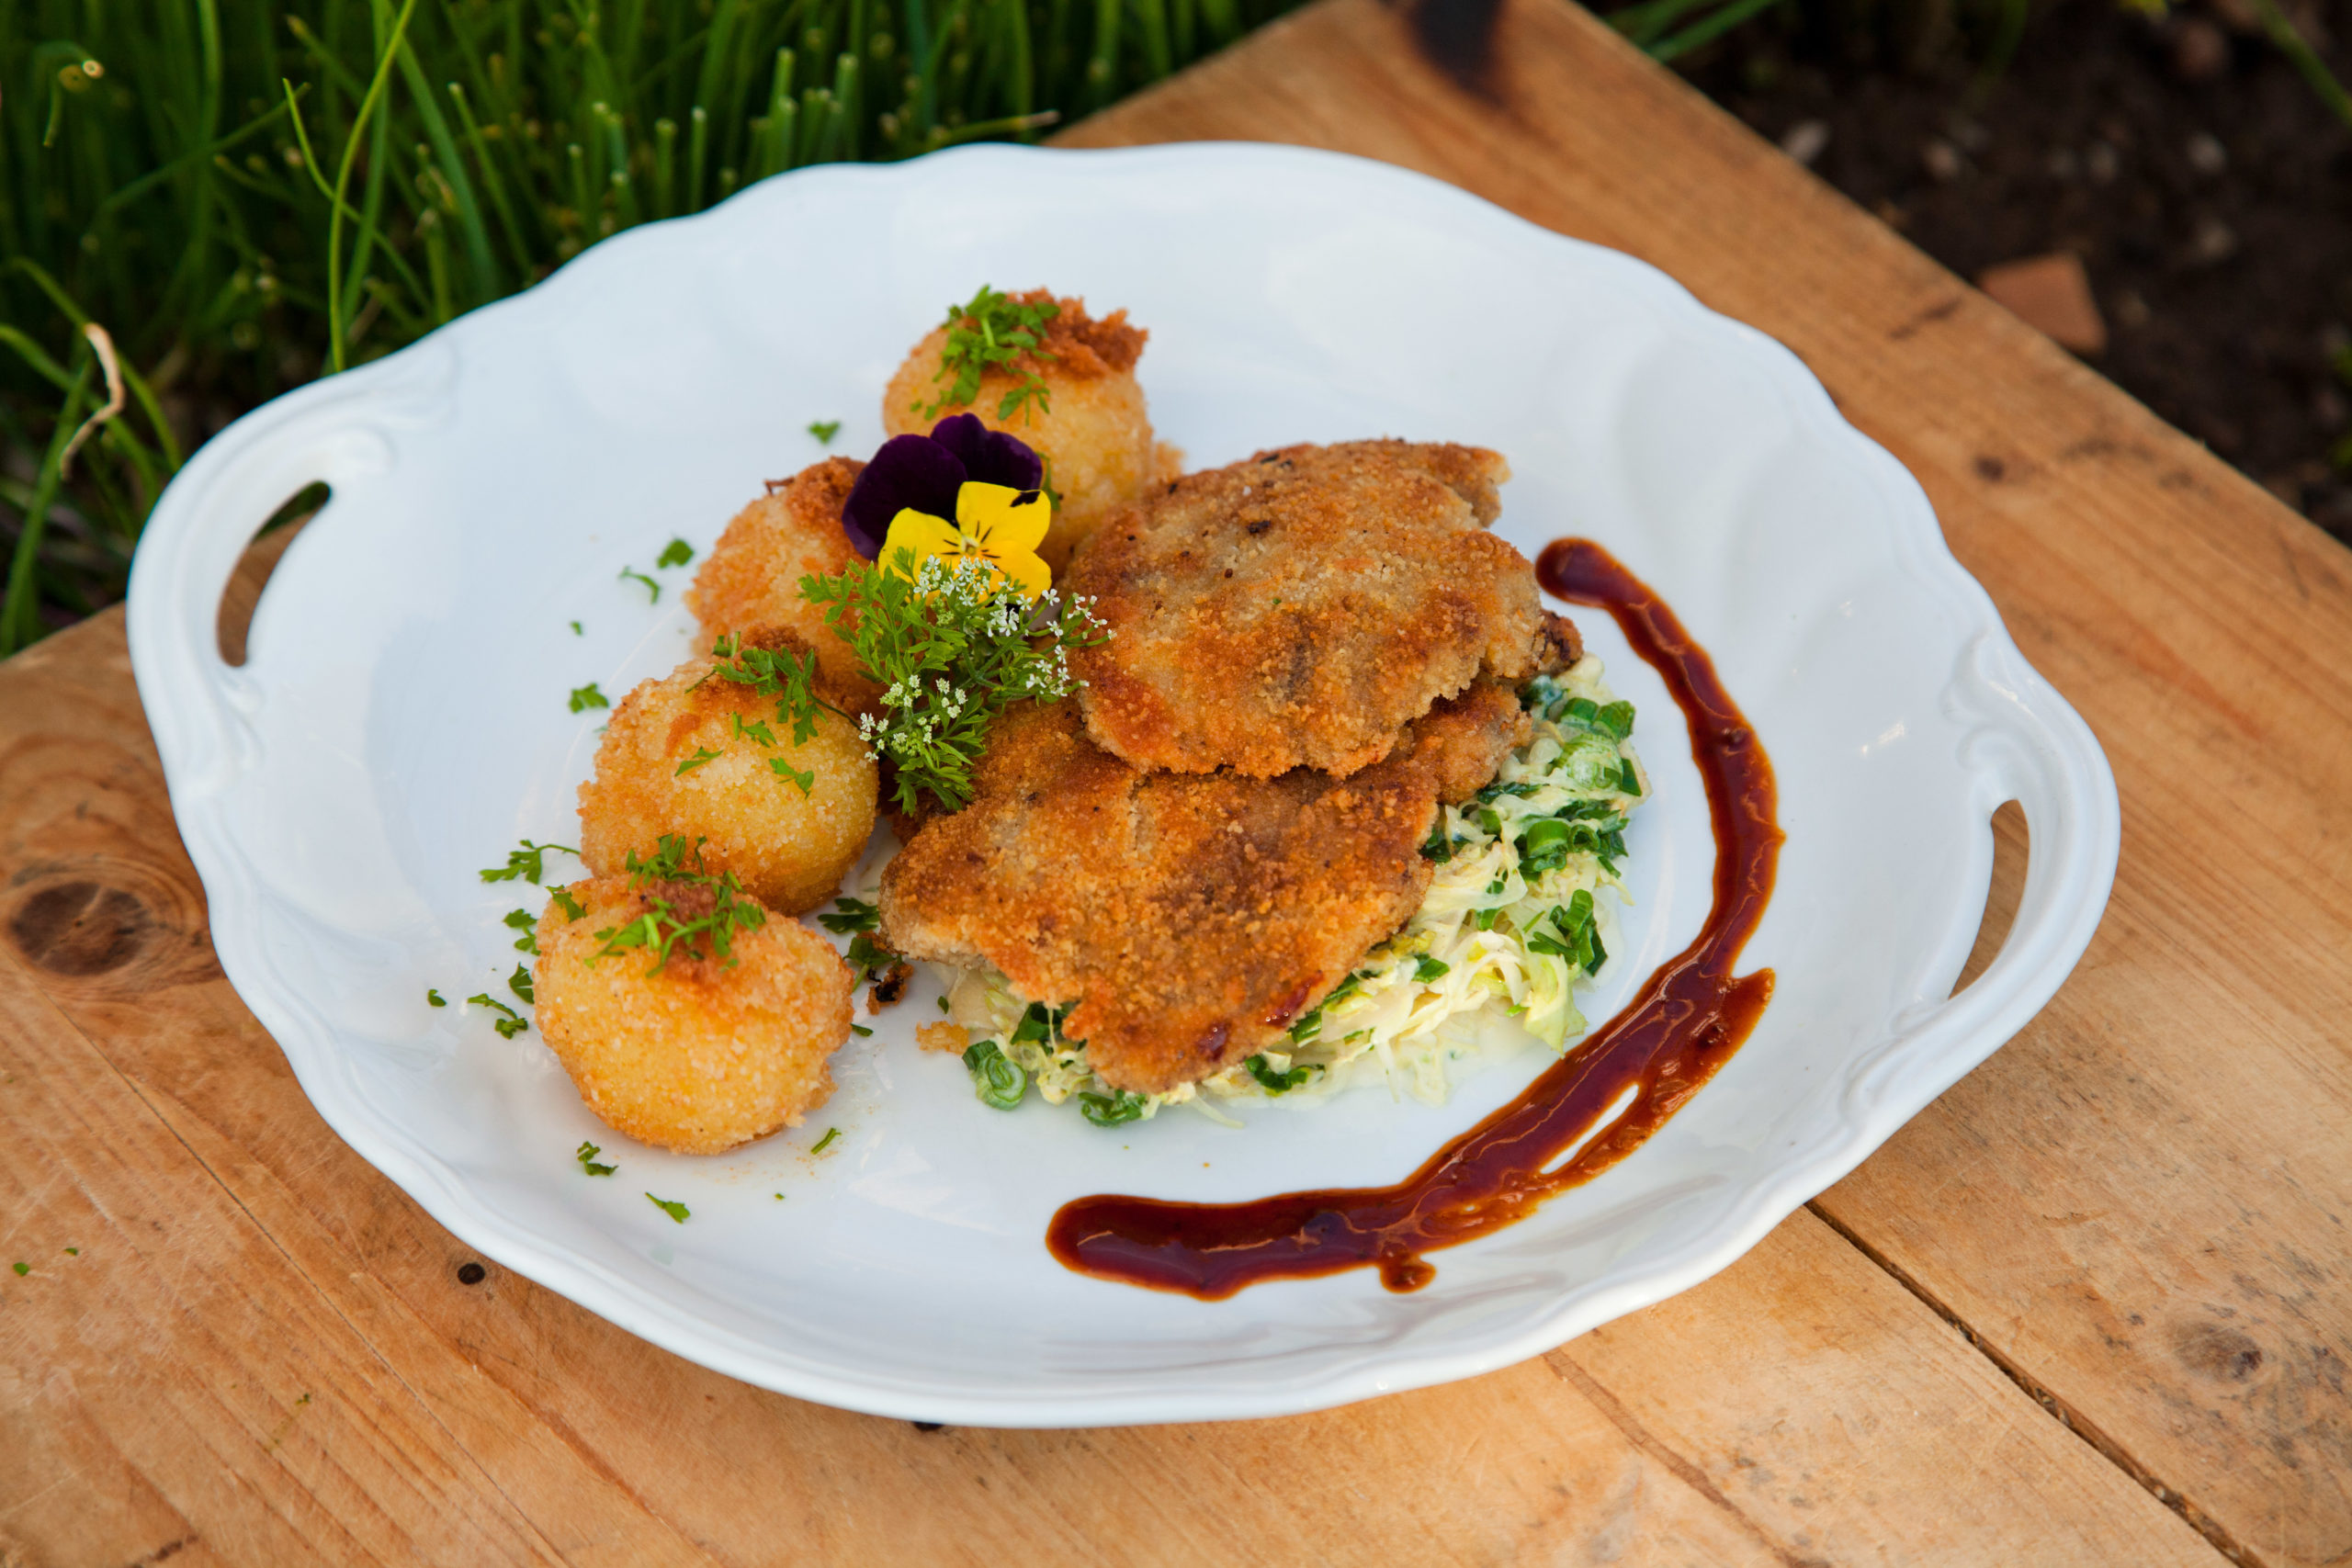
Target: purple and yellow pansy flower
{"type": "Point", "coordinates": [963, 494]}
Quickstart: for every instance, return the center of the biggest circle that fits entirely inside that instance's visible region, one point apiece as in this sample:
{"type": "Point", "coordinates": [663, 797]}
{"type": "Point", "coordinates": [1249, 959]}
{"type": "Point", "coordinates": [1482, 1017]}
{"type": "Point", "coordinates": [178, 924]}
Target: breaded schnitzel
{"type": "Point", "coordinates": [1301, 608]}
{"type": "Point", "coordinates": [1191, 918]}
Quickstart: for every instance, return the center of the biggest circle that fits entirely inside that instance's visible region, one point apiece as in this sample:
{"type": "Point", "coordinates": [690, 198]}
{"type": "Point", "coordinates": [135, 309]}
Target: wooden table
{"type": "Point", "coordinates": [2091, 1307]}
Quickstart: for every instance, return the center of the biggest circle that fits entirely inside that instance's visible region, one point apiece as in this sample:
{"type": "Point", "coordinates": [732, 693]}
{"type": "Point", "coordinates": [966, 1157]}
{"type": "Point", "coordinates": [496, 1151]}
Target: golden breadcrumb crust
{"type": "Point", "coordinates": [751, 577]}
{"type": "Point", "coordinates": [1192, 917]}
{"type": "Point", "coordinates": [1302, 607]}
{"type": "Point", "coordinates": [789, 849]}
{"type": "Point", "coordinates": [1096, 438]}
{"type": "Point", "coordinates": [702, 1057]}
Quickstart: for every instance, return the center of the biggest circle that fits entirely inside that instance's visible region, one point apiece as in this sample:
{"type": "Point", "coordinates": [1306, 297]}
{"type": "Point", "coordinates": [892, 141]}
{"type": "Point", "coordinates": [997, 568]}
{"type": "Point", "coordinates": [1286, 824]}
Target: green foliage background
{"type": "Point", "coordinates": [168, 170]}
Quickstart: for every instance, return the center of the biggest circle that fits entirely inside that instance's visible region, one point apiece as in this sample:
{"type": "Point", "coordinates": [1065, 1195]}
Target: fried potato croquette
{"type": "Point", "coordinates": [751, 577]}
{"type": "Point", "coordinates": [682, 756]}
{"type": "Point", "coordinates": [701, 1057]}
{"type": "Point", "coordinates": [1301, 608]}
{"type": "Point", "coordinates": [1095, 435]}
{"type": "Point", "coordinates": [1191, 918]}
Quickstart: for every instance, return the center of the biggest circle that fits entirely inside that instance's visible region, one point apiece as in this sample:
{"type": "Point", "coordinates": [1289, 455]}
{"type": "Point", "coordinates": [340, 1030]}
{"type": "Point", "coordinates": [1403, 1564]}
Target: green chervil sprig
{"type": "Point", "coordinates": [509, 1025]}
{"type": "Point", "coordinates": [994, 331]}
{"type": "Point", "coordinates": [586, 698]}
{"type": "Point", "coordinates": [677, 552]}
{"type": "Point", "coordinates": [671, 926]}
{"type": "Point", "coordinates": [953, 648]}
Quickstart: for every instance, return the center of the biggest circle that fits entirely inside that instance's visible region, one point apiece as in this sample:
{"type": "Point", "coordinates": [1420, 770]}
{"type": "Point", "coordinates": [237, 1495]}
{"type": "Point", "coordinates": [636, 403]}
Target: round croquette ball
{"type": "Point", "coordinates": [1095, 435]}
{"type": "Point", "coordinates": [787, 846]}
{"type": "Point", "coordinates": [703, 1054]}
{"type": "Point", "coordinates": [751, 577]}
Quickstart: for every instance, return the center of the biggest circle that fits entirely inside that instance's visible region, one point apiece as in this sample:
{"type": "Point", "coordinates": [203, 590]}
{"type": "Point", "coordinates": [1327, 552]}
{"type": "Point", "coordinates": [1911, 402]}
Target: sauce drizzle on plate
{"type": "Point", "coordinates": [1682, 1026]}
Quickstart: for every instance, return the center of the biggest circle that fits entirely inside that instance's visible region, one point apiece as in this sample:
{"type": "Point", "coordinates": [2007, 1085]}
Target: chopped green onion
{"type": "Point", "coordinates": [1113, 1109]}
{"type": "Point", "coordinates": [996, 1078]}
{"type": "Point", "coordinates": [1272, 1081]}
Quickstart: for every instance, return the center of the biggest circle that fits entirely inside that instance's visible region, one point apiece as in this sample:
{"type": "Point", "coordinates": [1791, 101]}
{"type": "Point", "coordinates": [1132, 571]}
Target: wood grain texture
{"type": "Point", "coordinates": [2142, 1200]}
{"type": "Point", "coordinates": [263, 1352]}
{"type": "Point", "coordinates": [2167, 1144]}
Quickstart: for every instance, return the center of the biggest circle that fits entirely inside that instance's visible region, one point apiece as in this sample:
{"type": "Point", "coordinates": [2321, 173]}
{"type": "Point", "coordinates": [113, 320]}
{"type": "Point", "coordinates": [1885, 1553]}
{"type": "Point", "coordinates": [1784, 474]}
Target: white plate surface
{"type": "Point", "coordinates": [402, 721]}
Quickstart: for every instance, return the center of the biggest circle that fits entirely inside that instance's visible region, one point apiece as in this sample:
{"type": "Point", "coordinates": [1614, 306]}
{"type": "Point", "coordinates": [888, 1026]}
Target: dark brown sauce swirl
{"type": "Point", "coordinates": [1684, 1024]}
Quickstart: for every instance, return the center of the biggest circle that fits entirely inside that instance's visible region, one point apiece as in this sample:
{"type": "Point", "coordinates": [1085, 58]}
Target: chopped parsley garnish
{"type": "Point", "coordinates": [861, 1032]}
{"type": "Point", "coordinates": [509, 1026]}
{"type": "Point", "coordinates": [996, 1078]}
{"type": "Point", "coordinates": [1426, 969]}
{"type": "Point", "coordinates": [868, 958]}
{"type": "Point", "coordinates": [433, 999]}
{"type": "Point", "coordinates": [586, 1155]}
{"type": "Point", "coordinates": [803, 779]}
{"type": "Point", "coordinates": [677, 552]}
{"type": "Point", "coordinates": [703, 754]}
{"type": "Point", "coordinates": [576, 631]}
{"type": "Point", "coordinates": [572, 907]}
{"type": "Point", "coordinates": [1113, 1109]}
{"type": "Point", "coordinates": [523, 921]}
{"type": "Point", "coordinates": [678, 1212]}
{"type": "Point", "coordinates": [1272, 1081]}
{"type": "Point", "coordinates": [826, 1142]}
{"type": "Point", "coordinates": [994, 332]}
{"type": "Point", "coordinates": [951, 649]}
{"type": "Point", "coordinates": [22, 1268]}
{"type": "Point", "coordinates": [527, 863]}
{"type": "Point", "coordinates": [825, 430]}
{"type": "Point", "coordinates": [700, 926]}
{"type": "Point", "coordinates": [851, 914]}
{"type": "Point", "coordinates": [586, 698]}
{"type": "Point", "coordinates": [652, 587]}
{"type": "Point", "coordinates": [791, 680]}
{"type": "Point", "coordinates": [519, 983]}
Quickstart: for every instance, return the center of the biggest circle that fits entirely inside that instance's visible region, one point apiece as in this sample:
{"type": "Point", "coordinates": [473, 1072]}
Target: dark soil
{"type": "Point", "coordinates": [2206, 187]}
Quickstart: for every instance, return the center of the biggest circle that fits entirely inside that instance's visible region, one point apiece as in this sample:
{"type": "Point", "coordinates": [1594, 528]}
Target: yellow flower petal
{"type": "Point", "coordinates": [1029, 573]}
{"type": "Point", "coordinates": [1000, 520]}
{"type": "Point", "coordinates": [925, 535]}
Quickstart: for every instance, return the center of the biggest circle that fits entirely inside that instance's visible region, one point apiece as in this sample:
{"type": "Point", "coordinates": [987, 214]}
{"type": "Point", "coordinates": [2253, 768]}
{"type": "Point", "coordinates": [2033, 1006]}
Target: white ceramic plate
{"type": "Point", "coordinates": [403, 721]}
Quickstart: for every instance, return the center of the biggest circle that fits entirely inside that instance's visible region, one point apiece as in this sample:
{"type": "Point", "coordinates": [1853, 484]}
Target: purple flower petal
{"type": "Point", "coordinates": [990, 456]}
{"type": "Point", "coordinates": [909, 470]}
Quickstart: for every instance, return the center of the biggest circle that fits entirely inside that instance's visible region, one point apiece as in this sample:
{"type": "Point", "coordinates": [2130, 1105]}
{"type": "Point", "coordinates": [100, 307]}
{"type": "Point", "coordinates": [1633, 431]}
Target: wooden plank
{"type": "Point", "coordinates": [2138, 1202]}
{"type": "Point", "coordinates": [1800, 1407]}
